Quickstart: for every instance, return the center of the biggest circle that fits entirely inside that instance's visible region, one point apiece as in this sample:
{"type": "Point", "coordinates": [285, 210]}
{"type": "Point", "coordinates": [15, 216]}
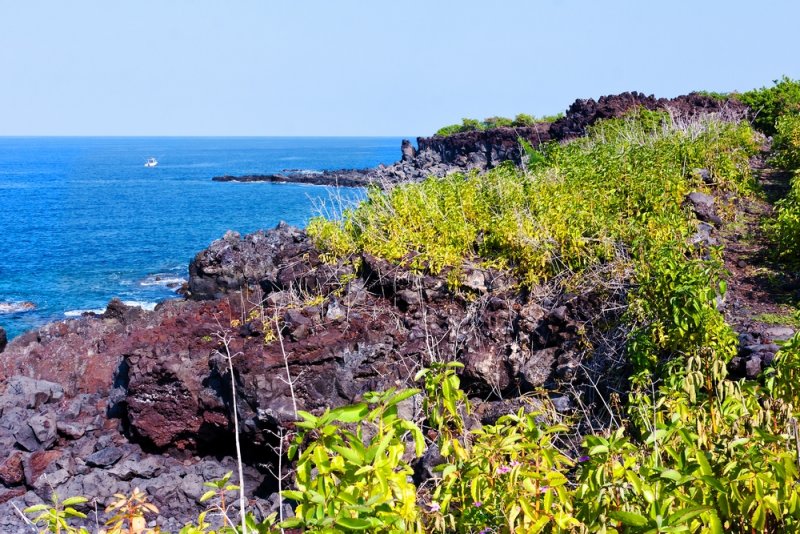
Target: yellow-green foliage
{"type": "Point", "coordinates": [619, 188]}
{"type": "Point", "coordinates": [786, 143]}
{"type": "Point", "coordinates": [355, 478]}
{"type": "Point", "coordinates": [785, 227]}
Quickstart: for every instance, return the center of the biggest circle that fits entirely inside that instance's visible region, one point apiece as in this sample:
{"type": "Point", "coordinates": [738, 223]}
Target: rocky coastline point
{"type": "Point", "coordinates": [485, 149]}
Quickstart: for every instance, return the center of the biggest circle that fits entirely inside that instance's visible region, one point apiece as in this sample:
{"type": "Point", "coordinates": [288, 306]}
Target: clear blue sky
{"type": "Point", "coordinates": [346, 67]}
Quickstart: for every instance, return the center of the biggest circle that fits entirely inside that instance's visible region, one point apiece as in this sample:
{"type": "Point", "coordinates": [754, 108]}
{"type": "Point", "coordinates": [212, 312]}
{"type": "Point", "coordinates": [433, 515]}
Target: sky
{"type": "Point", "coordinates": [364, 68]}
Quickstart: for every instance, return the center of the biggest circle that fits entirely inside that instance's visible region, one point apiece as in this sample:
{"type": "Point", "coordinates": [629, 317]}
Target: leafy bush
{"type": "Point", "coordinates": [523, 119]}
{"type": "Point", "coordinates": [497, 122]}
{"type": "Point", "coordinates": [469, 125]}
{"type": "Point", "coordinates": [768, 104]}
{"type": "Point", "coordinates": [784, 228]}
{"type": "Point", "coordinates": [355, 479]}
{"type": "Point", "coordinates": [786, 143]}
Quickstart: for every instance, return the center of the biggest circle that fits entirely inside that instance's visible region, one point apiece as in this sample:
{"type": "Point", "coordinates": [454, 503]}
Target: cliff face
{"type": "Point", "coordinates": [486, 149]}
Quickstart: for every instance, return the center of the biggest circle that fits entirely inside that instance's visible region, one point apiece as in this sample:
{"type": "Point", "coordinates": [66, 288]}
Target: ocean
{"type": "Point", "coordinates": [82, 220]}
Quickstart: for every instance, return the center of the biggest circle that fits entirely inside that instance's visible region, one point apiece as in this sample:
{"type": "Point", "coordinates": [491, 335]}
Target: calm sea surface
{"type": "Point", "coordinates": [82, 220]}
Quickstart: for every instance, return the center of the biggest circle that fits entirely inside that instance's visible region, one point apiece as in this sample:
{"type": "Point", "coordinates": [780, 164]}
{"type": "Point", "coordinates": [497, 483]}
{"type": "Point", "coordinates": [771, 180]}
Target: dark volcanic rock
{"type": "Point", "coordinates": [584, 113]}
{"type": "Point", "coordinates": [257, 260]}
{"type": "Point", "coordinates": [481, 150]}
{"type": "Point", "coordinates": [3, 339]}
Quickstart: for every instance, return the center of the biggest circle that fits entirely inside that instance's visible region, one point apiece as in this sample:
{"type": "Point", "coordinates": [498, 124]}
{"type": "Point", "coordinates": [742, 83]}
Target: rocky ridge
{"type": "Point", "coordinates": [481, 150]}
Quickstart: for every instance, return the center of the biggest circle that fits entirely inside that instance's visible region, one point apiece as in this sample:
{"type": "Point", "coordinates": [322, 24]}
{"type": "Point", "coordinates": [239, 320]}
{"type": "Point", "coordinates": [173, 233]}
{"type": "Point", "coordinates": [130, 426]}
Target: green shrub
{"type": "Point", "coordinates": [784, 228]}
{"type": "Point", "coordinates": [467, 125]}
{"type": "Point", "coordinates": [523, 119]}
{"type": "Point", "coordinates": [786, 143]}
{"type": "Point", "coordinates": [497, 122]}
{"type": "Point", "coordinates": [351, 473]}
{"type": "Point", "coordinates": [768, 104]}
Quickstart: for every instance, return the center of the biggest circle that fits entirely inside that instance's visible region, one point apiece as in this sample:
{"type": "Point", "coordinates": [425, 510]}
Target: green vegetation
{"type": "Point", "coordinates": [469, 125]}
{"type": "Point", "coordinates": [355, 479]}
{"type": "Point", "coordinates": [615, 192]}
{"type": "Point", "coordinates": [784, 229]}
{"type": "Point", "coordinates": [768, 104]}
{"type": "Point", "coordinates": [790, 318]}
{"type": "Point", "coordinates": [687, 449]}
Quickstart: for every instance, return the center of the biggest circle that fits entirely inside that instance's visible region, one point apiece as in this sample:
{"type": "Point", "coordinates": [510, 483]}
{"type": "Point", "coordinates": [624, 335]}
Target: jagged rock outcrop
{"type": "Point", "coordinates": [486, 149]}
{"type": "Point", "coordinates": [160, 381]}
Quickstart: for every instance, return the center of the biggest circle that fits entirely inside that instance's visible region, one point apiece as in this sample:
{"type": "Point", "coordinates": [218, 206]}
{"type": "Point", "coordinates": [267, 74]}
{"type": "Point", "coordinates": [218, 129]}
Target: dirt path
{"type": "Point", "coordinates": [763, 298]}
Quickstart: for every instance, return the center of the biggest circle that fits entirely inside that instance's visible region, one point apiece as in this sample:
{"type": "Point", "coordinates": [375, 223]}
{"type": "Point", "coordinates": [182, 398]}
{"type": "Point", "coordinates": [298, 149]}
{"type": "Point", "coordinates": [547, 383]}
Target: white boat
{"type": "Point", "coordinates": [152, 162]}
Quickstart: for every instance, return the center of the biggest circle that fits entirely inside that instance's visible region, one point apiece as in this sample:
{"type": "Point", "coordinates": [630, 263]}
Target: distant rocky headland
{"type": "Point", "coordinates": [482, 150]}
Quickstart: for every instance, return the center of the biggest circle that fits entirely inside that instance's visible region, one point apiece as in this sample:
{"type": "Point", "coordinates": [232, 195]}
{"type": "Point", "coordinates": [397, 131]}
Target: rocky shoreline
{"type": "Point", "coordinates": [131, 398]}
{"type": "Point", "coordinates": [483, 150]}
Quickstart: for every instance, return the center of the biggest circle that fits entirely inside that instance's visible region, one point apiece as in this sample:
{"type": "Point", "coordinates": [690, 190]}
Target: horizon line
{"type": "Point", "coordinates": [156, 136]}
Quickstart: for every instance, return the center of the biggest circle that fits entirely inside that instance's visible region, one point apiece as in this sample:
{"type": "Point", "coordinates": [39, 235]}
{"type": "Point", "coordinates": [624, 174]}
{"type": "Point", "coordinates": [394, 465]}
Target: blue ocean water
{"type": "Point", "coordinates": [82, 220]}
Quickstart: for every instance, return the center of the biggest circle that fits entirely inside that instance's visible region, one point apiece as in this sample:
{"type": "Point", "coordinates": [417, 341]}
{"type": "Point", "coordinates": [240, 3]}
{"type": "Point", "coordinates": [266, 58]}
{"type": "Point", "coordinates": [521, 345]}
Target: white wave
{"type": "Point", "coordinates": [16, 307]}
{"type": "Point", "coordinates": [159, 280]}
{"type": "Point", "coordinates": [145, 305]}
{"type": "Point", "coordinates": [78, 313]}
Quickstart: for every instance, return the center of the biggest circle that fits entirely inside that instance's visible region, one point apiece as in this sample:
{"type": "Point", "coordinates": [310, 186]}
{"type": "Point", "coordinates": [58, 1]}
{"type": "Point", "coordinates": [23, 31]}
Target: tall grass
{"type": "Point", "coordinates": [622, 187]}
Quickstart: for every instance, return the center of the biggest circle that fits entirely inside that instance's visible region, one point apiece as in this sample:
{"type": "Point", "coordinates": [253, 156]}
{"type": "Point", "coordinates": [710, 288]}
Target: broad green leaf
{"type": "Point", "coordinates": [401, 396]}
{"type": "Point", "coordinates": [353, 413]}
{"type": "Point", "coordinates": [72, 501]}
{"type": "Point", "coordinates": [292, 494]}
{"type": "Point", "coordinates": [715, 524]}
{"type": "Point", "coordinates": [713, 482]}
{"type": "Point", "coordinates": [349, 454]}
{"type": "Point", "coordinates": [685, 515]}
{"type": "Point", "coordinates": [207, 495]}
{"type": "Point", "coordinates": [671, 474]}
{"type": "Point", "coordinates": [629, 518]}
{"type": "Point", "coordinates": [70, 511]}
{"type": "Point", "coordinates": [35, 508]}
{"type": "Point", "coordinates": [292, 522]}
{"type": "Point", "coordinates": [353, 523]}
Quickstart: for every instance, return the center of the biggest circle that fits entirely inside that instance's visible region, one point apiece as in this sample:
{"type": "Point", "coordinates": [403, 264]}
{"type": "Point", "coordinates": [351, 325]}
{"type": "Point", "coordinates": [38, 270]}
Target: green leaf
{"type": "Point", "coordinates": [353, 523]}
{"type": "Point", "coordinates": [401, 396]}
{"type": "Point", "coordinates": [292, 522]}
{"type": "Point", "coordinates": [715, 524]}
{"type": "Point", "coordinates": [671, 474]}
{"type": "Point", "coordinates": [72, 501]}
{"type": "Point", "coordinates": [598, 449]}
{"type": "Point", "coordinates": [207, 495]}
{"type": "Point", "coordinates": [351, 455]}
{"type": "Point", "coordinates": [713, 482]}
{"type": "Point", "coordinates": [35, 508]}
{"type": "Point", "coordinates": [629, 518]}
{"type": "Point", "coordinates": [353, 413]}
{"type": "Point", "coordinates": [70, 511]}
{"type": "Point", "coordinates": [685, 515]}
{"type": "Point", "coordinates": [294, 495]}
